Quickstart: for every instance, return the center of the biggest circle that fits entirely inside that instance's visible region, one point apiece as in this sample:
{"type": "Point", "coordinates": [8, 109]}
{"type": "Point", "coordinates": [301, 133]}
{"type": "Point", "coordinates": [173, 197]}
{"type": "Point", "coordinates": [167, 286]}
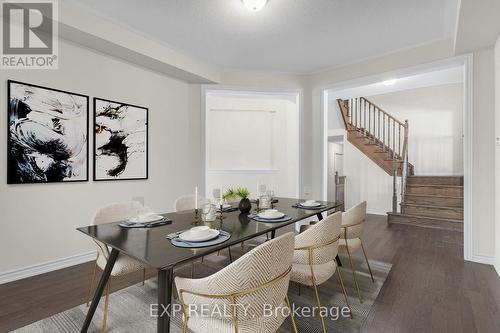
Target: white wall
{"type": "Point", "coordinates": [252, 138]}
{"type": "Point", "coordinates": [497, 156]}
{"type": "Point", "coordinates": [366, 181]}
{"type": "Point", "coordinates": [435, 117]}
{"type": "Point", "coordinates": [483, 151]}
{"type": "Point", "coordinates": [38, 221]}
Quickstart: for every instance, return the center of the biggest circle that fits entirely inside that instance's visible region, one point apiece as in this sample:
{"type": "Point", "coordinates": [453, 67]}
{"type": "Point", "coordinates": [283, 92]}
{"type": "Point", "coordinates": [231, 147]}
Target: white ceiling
{"type": "Point", "coordinates": [297, 36]}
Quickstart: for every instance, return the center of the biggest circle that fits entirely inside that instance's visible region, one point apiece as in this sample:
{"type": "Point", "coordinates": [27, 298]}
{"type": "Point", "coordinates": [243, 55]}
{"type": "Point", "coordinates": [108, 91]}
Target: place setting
{"type": "Point", "coordinates": [270, 216]}
{"type": "Point", "coordinates": [309, 205]}
{"type": "Point", "coordinates": [145, 220]}
{"type": "Point", "coordinates": [199, 236]}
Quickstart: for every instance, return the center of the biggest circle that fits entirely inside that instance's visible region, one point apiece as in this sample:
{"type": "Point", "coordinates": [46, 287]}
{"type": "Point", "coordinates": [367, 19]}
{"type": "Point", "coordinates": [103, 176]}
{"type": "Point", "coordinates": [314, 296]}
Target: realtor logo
{"type": "Point", "coordinates": [29, 34]}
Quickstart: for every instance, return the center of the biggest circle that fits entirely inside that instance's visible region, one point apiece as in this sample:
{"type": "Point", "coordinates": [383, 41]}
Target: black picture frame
{"type": "Point", "coordinates": [10, 172]}
{"type": "Point", "coordinates": [95, 99]}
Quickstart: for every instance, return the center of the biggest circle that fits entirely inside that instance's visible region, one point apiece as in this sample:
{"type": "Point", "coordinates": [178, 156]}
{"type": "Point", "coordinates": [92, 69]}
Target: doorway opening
{"type": "Point", "coordinates": [436, 101]}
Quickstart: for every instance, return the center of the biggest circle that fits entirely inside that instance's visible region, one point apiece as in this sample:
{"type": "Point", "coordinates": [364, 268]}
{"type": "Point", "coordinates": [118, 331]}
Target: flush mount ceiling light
{"type": "Point", "coordinates": [389, 82]}
{"type": "Point", "coordinates": [254, 5]}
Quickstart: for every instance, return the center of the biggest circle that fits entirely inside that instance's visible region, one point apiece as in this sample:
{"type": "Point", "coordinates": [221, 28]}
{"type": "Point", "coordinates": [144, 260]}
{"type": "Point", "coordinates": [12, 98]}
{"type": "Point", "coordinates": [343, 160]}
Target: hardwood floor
{"type": "Point", "coordinates": [429, 289]}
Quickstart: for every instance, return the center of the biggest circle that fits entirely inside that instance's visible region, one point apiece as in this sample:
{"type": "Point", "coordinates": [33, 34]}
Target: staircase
{"type": "Point", "coordinates": [433, 202]}
{"type": "Point", "coordinates": [380, 136]}
{"type": "Point", "coordinates": [425, 201]}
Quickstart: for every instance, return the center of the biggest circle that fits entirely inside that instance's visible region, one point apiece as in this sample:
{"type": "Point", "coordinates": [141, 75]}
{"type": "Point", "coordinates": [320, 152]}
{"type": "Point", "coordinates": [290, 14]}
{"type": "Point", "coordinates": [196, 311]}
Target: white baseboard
{"type": "Point", "coordinates": [497, 268]}
{"type": "Point", "coordinates": [487, 260]}
{"type": "Point", "coordinates": [49, 266]}
{"type": "Point", "coordinates": [376, 213]}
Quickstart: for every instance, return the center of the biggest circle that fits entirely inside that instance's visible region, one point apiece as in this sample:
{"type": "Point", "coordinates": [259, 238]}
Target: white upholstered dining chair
{"type": "Point", "coordinates": [353, 221]}
{"type": "Point", "coordinates": [257, 279]}
{"type": "Point", "coordinates": [187, 202]}
{"type": "Point", "coordinates": [314, 256]}
{"type": "Point", "coordinates": [124, 264]}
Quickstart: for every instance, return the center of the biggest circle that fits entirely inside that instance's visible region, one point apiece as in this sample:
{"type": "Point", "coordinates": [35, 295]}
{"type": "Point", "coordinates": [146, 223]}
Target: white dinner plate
{"type": "Point", "coordinates": [189, 237]}
{"type": "Point", "coordinates": [274, 216]}
{"type": "Point", "coordinates": [310, 204]}
{"type": "Point", "coordinates": [146, 219]}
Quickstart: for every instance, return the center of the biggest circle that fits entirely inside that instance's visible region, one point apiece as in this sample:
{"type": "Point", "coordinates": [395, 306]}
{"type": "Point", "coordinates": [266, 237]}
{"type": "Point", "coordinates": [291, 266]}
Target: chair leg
{"type": "Point", "coordinates": [230, 255]}
{"type": "Point", "coordinates": [292, 317]}
{"type": "Point", "coordinates": [106, 304]}
{"type": "Point", "coordinates": [317, 299]}
{"type": "Point", "coordinates": [92, 281]}
{"type": "Point", "coordinates": [319, 307]}
{"type": "Point", "coordinates": [354, 273]}
{"type": "Point", "coordinates": [192, 269]}
{"type": "Point", "coordinates": [344, 291]}
{"type": "Point", "coordinates": [143, 275]}
{"type": "Point", "coordinates": [367, 263]}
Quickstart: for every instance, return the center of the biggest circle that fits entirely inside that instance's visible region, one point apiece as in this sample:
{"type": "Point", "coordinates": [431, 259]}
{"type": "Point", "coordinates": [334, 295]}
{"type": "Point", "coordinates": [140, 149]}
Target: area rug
{"type": "Point", "coordinates": [129, 309]}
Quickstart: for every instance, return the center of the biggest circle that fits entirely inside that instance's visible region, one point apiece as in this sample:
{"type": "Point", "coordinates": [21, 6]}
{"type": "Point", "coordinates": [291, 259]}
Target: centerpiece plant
{"type": "Point", "coordinates": [243, 194]}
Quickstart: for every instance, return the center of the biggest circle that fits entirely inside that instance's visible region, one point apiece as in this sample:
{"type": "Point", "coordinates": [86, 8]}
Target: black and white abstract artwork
{"type": "Point", "coordinates": [120, 141]}
{"type": "Point", "coordinates": [47, 135]}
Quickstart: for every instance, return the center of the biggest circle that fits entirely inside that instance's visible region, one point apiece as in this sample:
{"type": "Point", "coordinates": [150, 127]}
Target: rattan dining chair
{"type": "Point", "coordinates": [256, 280]}
{"type": "Point", "coordinates": [353, 221]}
{"type": "Point", "coordinates": [314, 256]}
{"type": "Point", "coordinates": [124, 264]}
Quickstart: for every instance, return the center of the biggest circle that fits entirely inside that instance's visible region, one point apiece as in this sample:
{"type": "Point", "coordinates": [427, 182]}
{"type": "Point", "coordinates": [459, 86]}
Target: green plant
{"type": "Point", "coordinates": [240, 192]}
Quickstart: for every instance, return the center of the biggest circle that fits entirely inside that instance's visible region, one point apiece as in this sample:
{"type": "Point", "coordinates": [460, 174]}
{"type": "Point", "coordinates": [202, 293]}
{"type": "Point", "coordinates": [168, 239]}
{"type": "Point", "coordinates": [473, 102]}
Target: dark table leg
{"type": "Point", "coordinates": [100, 289]}
{"type": "Point", "coordinates": [273, 234]}
{"type": "Point", "coordinates": [165, 284]}
{"type": "Point", "coordinates": [337, 259]}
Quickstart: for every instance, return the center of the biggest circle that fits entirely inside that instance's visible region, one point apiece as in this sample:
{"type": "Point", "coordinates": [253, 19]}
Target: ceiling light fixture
{"type": "Point", "coordinates": [254, 5]}
{"type": "Point", "coordinates": [389, 82]}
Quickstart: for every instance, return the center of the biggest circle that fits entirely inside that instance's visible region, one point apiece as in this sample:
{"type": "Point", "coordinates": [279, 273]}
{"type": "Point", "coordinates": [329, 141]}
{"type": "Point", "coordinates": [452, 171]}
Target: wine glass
{"type": "Point", "coordinates": [216, 195]}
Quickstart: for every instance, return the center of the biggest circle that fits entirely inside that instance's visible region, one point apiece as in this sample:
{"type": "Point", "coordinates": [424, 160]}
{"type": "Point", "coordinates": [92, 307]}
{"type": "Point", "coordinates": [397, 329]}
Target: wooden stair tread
{"type": "Point", "coordinates": [435, 176]}
{"type": "Point", "coordinates": [430, 206]}
{"type": "Point", "coordinates": [433, 196]}
{"type": "Point", "coordinates": [433, 185]}
{"type": "Point", "coordinates": [426, 217]}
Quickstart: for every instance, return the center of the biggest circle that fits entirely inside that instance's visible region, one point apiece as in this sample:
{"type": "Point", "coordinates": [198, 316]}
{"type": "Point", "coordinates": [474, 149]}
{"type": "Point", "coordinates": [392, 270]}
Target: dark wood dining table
{"type": "Point", "coordinates": [152, 247]}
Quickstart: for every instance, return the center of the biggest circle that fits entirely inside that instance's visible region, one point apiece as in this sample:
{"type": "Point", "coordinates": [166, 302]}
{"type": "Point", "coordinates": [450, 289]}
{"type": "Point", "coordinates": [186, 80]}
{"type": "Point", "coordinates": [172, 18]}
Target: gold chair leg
{"type": "Point", "coordinates": [317, 299]}
{"type": "Point", "coordinates": [292, 317]}
{"type": "Point", "coordinates": [367, 263]}
{"type": "Point", "coordinates": [354, 273]}
{"type": "Point", "coordinates": [344, 291]}
{"type": "Point", "coordinates": [143, 275]}
{"type": "Point", "coordinates": [185, 326]}
{"type": "Point", "coordinates": [319, 307]}
{"type": "Point", "coordinates": [92, 280]}
{"type": "Point", "coordinates": [106, 303]}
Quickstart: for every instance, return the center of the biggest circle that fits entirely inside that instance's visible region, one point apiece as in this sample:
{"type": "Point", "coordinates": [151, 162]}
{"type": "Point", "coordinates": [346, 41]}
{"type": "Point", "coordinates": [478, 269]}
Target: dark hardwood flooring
{"type": "Point", "coordinates": [429, 289]}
